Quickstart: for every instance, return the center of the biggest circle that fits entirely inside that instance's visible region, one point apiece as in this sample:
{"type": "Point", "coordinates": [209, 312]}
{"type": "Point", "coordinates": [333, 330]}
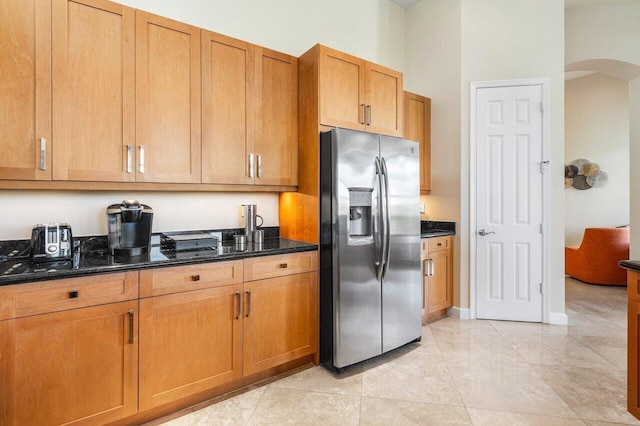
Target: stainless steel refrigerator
{"type": "Point", "coordinates": [370, 280]}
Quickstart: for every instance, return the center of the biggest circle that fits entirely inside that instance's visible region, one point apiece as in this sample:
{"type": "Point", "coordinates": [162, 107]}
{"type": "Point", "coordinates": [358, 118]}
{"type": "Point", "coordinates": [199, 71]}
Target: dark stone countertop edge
{"type": "Point", "coordinates": [437, 234]}
{"type": "Point", "coordinates": [98, 270]}
{"type": "Point", "coordinates": [632, 265]}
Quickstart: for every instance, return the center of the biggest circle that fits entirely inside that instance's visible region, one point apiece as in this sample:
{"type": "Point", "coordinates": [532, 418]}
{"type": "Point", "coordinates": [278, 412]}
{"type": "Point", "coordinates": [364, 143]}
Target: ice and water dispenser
{"type": "Point", "coordinates": [360, 212]}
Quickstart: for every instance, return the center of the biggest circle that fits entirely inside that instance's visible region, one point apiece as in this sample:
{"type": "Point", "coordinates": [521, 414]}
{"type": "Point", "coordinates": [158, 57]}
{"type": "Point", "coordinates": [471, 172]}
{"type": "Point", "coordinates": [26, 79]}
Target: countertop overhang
{"type": "Point", "coordinates": [632, 265]}
{"type": "Point", "coordinates": [18, 271]}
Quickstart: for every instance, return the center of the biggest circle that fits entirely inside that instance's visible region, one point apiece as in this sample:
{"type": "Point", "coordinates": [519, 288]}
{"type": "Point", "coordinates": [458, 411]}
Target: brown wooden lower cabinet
{"type": "Point", "coordinates": [72, 367]}
{"type": "Point", "coordinates": [189, 342]}
{"type": "Point", "coordinates": [281, 321]}
{"type": "Point", "coordinates": [126, 359]}
{"type": "Point", "coordinates": [633, 339]}
{"type": "Point", "coordinates": [437, 276]}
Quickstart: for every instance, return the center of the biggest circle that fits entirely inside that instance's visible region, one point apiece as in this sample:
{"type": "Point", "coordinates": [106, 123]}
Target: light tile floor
{"type": "Point", "coordinates": [464, 373]}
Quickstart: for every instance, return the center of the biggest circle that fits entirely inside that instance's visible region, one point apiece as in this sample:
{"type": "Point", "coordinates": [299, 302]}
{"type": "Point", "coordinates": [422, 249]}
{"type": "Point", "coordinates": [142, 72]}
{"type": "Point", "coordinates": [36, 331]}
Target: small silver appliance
{"type": "Point", "coordinates": [51, 242]}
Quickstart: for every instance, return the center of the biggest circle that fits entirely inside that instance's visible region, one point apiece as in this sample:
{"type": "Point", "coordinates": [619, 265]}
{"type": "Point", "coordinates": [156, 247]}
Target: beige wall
{"type": "Point", "coordinates": [370, 29]}
{"type": "Point", "coordinates": [613, 33]}
{"type": "Point", "coordinates": [488, 40]}
{"type": "Point", "coordinates": [503, 40]}
{"type": "Point", "coordinates": [432, 68]}
{"type": "Point", "coordinates": [597, 128]}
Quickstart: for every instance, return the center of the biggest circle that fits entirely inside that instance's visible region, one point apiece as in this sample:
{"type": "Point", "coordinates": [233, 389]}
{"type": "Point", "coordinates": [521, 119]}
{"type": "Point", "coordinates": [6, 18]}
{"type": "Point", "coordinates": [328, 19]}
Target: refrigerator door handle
{"type": "Point", "coordinates": [380, 235]}
{"type": "Point", "coordinates": [387, 222]}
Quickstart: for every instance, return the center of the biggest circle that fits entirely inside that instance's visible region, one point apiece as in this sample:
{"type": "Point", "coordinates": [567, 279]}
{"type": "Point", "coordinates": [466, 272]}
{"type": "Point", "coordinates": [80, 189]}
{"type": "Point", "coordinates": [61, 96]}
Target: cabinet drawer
{"type": "Point", "coordinates": [156, 282]}
{"type": "Point", "coordinates": [440, 243]}
{"type": "Point", "coordinates": [59, 295]}
{"type": "Point", "coordinates": [259, 268]}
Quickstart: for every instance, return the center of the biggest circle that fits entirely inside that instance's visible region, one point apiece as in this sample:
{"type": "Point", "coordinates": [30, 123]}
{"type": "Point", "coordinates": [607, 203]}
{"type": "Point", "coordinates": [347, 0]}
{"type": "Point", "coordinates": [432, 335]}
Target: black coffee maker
{"type": "Point", "coordinates": [129, 228]}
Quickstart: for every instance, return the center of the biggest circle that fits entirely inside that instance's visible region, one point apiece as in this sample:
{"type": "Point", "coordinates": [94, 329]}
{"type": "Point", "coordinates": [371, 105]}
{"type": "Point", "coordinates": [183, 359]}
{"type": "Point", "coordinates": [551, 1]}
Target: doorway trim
{"type": "Point", "coordinates": [546, 187]}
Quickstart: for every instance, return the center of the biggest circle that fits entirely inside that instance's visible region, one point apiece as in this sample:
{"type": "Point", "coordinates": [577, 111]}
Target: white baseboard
{"type": "Point", "coordinates": [558, 318]}
{"type": "Point", "coordinates": [462, 313]}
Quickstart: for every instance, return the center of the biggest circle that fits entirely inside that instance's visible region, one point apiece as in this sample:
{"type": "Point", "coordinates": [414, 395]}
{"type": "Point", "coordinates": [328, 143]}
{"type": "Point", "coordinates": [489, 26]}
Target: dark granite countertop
{"type": "Point", "coordinates": [632, 265]}
{"type": "Point", "coordinates": [90, 260]}
{"type": "Point", "coordinates": [431, 228]}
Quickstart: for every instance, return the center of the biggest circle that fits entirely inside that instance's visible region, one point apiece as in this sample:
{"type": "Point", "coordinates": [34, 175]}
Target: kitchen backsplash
{"type": "Point", "coordinates": [86, 211]}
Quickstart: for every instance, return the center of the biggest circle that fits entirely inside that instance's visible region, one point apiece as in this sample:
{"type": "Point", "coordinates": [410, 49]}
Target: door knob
{"type": "Point", "coordinates": [482, 232]}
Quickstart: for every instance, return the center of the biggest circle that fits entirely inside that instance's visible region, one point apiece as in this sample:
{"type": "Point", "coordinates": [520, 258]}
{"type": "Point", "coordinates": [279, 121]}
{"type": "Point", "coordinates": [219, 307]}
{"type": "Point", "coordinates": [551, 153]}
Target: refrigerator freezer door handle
{"type": "Point", "coordinates": [387, 222]}
{"type": "Point", "coordinates": [380, 235]}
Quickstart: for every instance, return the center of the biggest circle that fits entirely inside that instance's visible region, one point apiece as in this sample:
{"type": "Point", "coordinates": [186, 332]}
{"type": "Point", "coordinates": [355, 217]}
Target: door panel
{"type": "Point", "coordinates": [280, 320]}
{"type": "Point", "coordinates": [276, 137]}
{"type": "Point", "coordinates": [509, 203]}
{"type": "Point", "coordinates": [357, 291]}
{"type": "Point", "coordinates": [25, 31]}
{"type": "Point", "coordinates": [227, 109]}
{"type": "Point", "coordinates": [189, 342]}
{"type": "Point", "coordinates": [402, 285]}
{"type": "Point", "coordinates": [383, 93]}
{"type": "Point", "coordinates": [167, 100]}
{"type": "Point", "coordinates": [77, 365]}
{"type": "Point", "coordinates": [342, 94]}
{"type": "Point", "coordinates": [93, 91]}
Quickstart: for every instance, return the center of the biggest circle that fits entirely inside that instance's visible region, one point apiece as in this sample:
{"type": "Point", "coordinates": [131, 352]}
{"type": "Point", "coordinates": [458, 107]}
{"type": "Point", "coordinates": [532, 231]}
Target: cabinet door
{"type": "Point", "coordinates": [633, 334]}
{"type": "Point", "coordinates": [227, 109]}
{"type": "Point", "coordinates": [189, 342]}
{"type": "Point", "coordinates": [417, 127]}
{"type": "Point", "coordinates": [281, 321]}
{"type": "Point", "coordinates": [439, 286]}
{"type": "Point", "coordinates": [633, 357]}
{"type": "Point", "coordinates": [93, 91]}
{"type": "Point", "coordinates": [383, 92]}
{"type": "Point", "coordinates": [25, 82]}
{"type": "Point", "coordinates": [167, 100]}
{"type": "Point", "coordinates": [276, 131]}
{"type": "Point", "coordinates": [342, 97]}
{"type": "Point", "coordinates": [76, 367]}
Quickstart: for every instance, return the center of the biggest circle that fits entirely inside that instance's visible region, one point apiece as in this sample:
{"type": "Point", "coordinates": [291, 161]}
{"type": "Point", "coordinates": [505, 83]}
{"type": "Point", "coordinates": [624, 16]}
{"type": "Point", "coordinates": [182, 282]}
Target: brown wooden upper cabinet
{"type": "Point", "coordinates": [360, 95]}
{"type": "Point", "coordinates": [250, 109]}
{"type": "Point", "coordinates": [168, 110]}
{"type": "Point", "coordinates": [417, 127]}
{"type": "Point", "coordinates": [25, 107]}
{"type": "Point", "coordinates": [93, 91]}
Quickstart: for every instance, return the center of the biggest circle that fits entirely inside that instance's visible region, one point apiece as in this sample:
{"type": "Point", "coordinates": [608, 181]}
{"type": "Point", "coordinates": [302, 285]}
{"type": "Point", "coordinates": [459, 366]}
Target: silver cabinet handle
{"type": "Point", "coordinates": [141, 169]}
{"type": "Point", "coordinates": [131, 327]}
{"type": "Point", "coordinates": [129, 155]}
{"type": "Point", "coordinates": [370, 115]}
{"type": "Point", "coordinates": [43, 154]}
{"type": "Point", "coordinates": [238, 304]}
{"type": "Point", "coordinates": [250, 165]}
{"type": "Point", "coordinates": [432, 267]}
{"type": "Point", "coordinates": [482, 232]}
{"type": "Point", "coordinates": [248, 303]}
{"type": "Point", "coordinates": [259, 166]}
{"type": "Point", "coordinates": [362, 111]}
{"type": "Point", "coordinates": [425, 267]}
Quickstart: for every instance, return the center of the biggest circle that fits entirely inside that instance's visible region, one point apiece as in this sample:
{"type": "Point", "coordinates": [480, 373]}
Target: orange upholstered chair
{"type": "Point", "coordinates": [596, 260]}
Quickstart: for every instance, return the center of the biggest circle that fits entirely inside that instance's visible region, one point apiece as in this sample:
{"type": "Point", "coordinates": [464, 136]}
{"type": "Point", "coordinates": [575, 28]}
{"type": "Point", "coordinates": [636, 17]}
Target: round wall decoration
{"type": "Point", "coordinates": [583, 174]}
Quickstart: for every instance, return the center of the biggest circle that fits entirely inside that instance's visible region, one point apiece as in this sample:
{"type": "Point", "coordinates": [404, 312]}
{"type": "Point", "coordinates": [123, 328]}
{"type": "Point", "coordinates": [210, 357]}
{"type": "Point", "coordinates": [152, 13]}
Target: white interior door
{"type": "Point", "coordinates": [509, 203]}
